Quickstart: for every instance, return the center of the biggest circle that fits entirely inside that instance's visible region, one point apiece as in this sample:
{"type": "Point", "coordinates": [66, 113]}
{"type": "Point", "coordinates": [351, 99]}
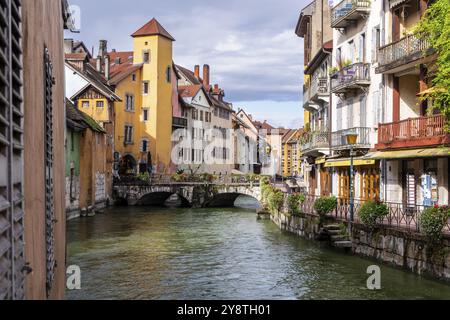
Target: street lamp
{"type": "Point", "coordinates": [352, 138]}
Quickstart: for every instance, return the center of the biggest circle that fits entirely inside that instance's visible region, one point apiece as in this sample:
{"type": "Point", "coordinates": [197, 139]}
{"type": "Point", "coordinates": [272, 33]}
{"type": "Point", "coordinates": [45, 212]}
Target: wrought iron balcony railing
{"type": "Point", "coordinates": [348, 10]}
{"type": "Point", "coordinates": [318, 88]}
{"type": "Point", "coordinates": [403, 51]}
{"type": "Point", "coordinates": [315, 140]}
{"type": "Point", "coordinates": [339, 139]}
{"type": "Point", "coordinates": [351, 77]}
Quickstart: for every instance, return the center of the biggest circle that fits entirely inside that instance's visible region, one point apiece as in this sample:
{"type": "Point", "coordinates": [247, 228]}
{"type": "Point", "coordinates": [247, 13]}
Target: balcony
{"type": "Point", "coordinates": [347, 11]}
{"type": "Point", "coordinates": [179, 122]}
{"type": "Point", "coordinates": [339, 139]}
{"type": "Point", "coordinates": [416, 132]}
{"type": "Point", "coordinates": [402, 52]}
{"type": "Point", "coordinates": [315, 143]}
{"type": "Point", "coordinates": [318, 90]}
{"type": "Point", "coordinates": [352, 77]}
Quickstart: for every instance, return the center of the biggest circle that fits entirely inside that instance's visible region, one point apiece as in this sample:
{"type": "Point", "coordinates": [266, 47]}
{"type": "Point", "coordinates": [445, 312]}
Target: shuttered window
{"type": "Point", "coordinates": [11, 153]}
{"type": "Point", "coordinates": [49, 198]}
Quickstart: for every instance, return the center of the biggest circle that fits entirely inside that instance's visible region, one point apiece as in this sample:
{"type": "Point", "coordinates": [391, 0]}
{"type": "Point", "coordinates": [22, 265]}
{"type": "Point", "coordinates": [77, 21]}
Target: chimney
{"type": "Point", "coordinates": [197, 71]}
{"type": "Point", "coordinates": [103, 48]}
{"type": "Point", "coordinates": [68, 45]}
{"type": "Point", "coordinates": [218, 93]}
{"type": "Point", "coordinates": [99, 64]}
{"type": "Point", "coordinates": [206, 76]}
{"type": "Point", "coordinates": [107, 67]}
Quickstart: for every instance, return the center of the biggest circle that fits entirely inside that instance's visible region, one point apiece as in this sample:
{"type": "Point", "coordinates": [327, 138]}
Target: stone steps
{"type": "Point", "coordinates": [338, 238]}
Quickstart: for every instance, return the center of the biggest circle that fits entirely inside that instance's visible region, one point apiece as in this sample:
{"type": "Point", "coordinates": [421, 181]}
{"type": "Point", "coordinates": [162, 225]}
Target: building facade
{"type": "Point", "coordinates": [32, 217]}
{"type": "Point", "coordinates": [412, 139]}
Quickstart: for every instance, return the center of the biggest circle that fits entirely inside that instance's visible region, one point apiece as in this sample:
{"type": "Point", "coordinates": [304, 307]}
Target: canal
{"type": "Point", "coordinates": [162, 253]}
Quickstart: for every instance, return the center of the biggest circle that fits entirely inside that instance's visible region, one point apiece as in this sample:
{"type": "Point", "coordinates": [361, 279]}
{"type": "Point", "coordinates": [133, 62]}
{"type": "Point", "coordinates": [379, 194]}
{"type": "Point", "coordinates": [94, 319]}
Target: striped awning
{"type": "Point", "coordinates": [410, 154]}
{"type": "Point", "coordinates": [395, 3]}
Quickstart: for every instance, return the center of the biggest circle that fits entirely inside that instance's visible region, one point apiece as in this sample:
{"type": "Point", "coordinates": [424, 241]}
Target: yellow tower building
{"type": "Point", "coordinates": [143, 119]}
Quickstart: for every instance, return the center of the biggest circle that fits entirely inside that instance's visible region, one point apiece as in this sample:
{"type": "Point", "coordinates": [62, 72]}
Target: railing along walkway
{"type": "Point", "coordinates": [401, 216]}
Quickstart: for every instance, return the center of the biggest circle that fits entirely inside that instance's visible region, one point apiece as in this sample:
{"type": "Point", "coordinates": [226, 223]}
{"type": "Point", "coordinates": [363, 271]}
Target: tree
{"type": "Point", "coordinates": [435, 28]}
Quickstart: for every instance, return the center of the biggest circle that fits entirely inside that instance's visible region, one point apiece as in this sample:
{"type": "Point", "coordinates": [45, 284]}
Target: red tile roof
{"type": "Point", "coordinates": [153, 27]}
{"type": "Point", "coordinates": [189, 91]}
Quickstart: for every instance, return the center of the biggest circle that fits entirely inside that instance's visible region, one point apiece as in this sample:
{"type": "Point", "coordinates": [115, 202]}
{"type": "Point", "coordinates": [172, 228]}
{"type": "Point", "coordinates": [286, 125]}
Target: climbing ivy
{"type": "Point", "coordinates": [435, 28]}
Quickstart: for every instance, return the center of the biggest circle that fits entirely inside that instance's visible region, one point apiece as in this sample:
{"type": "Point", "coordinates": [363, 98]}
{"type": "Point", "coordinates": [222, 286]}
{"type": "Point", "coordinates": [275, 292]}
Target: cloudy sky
{"type": "Point", "coordinates": [250, 45]}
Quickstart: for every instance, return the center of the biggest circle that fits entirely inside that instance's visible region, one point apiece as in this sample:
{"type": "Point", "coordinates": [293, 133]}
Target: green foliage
{"type": "Point", "coordinates": [432, 222]}
{"type": "Point", "coordinates": [294, 201]}
{"type": "Point", "coordinates": [346, 63]}
{"type": "Point", "coordinates": [275, 200]}
{"type": "Point", "coordinates": [333, 70]}
{"type": "Point", "coordinates": [371, 212]}
{"type": "Point", "coordinates": [325, 205]}
{"type": "Point", "coordinates": [180, 177]}
{"type": "Point", "coordinates": [435, 28]}
{"type": "Point", "coordinates": [145, 177]}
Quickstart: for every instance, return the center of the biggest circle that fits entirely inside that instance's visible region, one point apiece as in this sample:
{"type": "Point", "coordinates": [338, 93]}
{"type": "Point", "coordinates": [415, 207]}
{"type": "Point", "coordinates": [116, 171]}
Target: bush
{"type": "Point", "coordinates": [294, 201]}
{"type": "Point", "coordinates": [325, 205]}
{"type": "Point", "coordinates": [432, 222]}
{"type": "Point", "coordinates": [371, 212]}
{"type": "Point", "coordinates": [275, 200]}
{"type": "Point", "coordinates": [144, 177]}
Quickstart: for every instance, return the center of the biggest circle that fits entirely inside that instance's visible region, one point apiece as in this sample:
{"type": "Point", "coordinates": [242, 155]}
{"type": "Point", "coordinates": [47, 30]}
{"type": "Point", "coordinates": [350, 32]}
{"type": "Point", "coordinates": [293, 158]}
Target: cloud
{"type": "Point", "coordinates": [250, 45]}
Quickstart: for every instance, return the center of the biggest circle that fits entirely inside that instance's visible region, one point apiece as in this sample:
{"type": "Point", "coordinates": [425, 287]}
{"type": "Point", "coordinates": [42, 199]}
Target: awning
{"type": "Point", "coordinates": [321, 160]}
{"type": "Point", "coordinates": [394, 3]}
{"type": "Point", "coordinates": [410, 154]}
{"type": "Point", "coordinates": [346, 162]}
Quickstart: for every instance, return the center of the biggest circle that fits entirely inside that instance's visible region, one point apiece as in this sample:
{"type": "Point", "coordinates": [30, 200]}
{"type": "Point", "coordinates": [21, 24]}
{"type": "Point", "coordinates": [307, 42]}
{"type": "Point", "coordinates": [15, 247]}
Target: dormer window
{"type": "Point", "coordinates": [117, 60]}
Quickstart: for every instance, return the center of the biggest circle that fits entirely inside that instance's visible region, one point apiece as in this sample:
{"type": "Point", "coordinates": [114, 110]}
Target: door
{"type": "Point", "coordinates": [370, 184]}
{"type": "Point", "coordinates": [325, 183]}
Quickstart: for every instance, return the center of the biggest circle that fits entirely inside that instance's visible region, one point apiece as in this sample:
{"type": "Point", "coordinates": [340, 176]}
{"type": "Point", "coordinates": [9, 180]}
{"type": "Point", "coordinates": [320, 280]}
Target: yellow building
{"type": "Point", "coordinates": [143, 80]}
{"type": "Point", "coordinates": [291, 155]}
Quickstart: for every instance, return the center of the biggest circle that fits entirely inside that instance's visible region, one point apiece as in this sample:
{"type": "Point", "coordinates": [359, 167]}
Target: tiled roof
{"type": "Point", "coordinates": [153, 27]}
{"type": "Point", "coordinates": [123, 73]}
{"type": "Point", "coordinates": [96, 79]}
{"type": "Point", "coordinates": [189, 75]}
{"type": "Point", "coordinates": [189, 91]}
{"type": "Point", "coordinates": [76, 56]}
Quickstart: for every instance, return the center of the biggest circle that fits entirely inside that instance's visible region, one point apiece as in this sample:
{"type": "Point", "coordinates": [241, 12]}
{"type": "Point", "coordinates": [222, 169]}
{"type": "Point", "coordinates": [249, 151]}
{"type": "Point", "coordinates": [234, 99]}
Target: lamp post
{"type": "Point", "coordinates": [352, 138]}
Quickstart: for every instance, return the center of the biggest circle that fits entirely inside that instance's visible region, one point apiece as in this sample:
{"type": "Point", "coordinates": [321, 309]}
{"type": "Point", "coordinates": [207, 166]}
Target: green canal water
{"type": "Point", "coordinates": [159, 253]}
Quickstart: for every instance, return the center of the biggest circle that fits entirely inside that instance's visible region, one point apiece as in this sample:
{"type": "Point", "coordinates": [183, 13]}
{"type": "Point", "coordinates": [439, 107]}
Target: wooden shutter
{"type": "Point", "coordinates": [12, 259]}
{"type": "Point", "coordinates": [48, 154]}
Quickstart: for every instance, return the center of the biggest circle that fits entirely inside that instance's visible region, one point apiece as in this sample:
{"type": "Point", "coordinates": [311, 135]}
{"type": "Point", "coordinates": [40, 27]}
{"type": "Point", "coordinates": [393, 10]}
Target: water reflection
{"type": "Point", "coordinates": [154, 253]}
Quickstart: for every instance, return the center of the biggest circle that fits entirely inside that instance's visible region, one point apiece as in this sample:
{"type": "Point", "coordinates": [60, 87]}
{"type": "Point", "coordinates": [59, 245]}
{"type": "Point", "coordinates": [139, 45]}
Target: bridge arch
{"type": "Point", "coordinates": [161, 198]}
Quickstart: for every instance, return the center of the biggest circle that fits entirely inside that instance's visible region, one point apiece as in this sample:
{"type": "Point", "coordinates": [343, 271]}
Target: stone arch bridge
{"type": "Point", "coordinates": [196, 195]}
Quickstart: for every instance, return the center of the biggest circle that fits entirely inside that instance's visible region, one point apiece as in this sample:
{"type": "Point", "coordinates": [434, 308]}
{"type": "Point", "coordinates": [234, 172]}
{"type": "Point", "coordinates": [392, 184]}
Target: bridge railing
{"type": "Point", "coordinates": [183, 179]}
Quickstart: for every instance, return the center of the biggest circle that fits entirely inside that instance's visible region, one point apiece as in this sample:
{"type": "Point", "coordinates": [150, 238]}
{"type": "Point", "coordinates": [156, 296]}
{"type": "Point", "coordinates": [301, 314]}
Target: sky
{"type": "Point", "coordinates": [250, 45]}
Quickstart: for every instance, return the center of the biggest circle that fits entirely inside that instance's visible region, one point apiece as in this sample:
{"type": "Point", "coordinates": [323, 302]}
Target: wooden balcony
{"type": "Point", "coordinates": [401, 53]}
{"type": "Point", "coordinates": [348, 11]}
{"type": "Point", "coordinates": [339, 139]}
{"type": "Point", "coordinates": [413, 133]}
{"type": "Point", "coordinates": [354, 76]}
{"type": "Point", "coordinates": [179, 122]}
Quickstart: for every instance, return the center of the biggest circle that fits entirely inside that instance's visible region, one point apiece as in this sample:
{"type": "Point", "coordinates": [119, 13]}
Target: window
{"type": "Point", "coordinates": [85, 104]}
{"type": "Point", "coordinates": [362, 48]}
{"type": "Point", "coordinates": [129, 102]}
{"type": "Point", "coordinates": [145, 115]}
{"type": "Point", "coordinates": [350, 114]}
{"type": "Point", "coordinates": [351, 51]}
{"type": "Point", "coordinates": [11, 184]}
{"type": "Point", "coordinates": [363, 112]}
{"type": "Point", "coordinates": [201, 115]}
{"type": "Point", "coordinates": [376, 43]}
{"type": "Point", "coordinates": [128, 134]}
{"type": "Point", "coordinates": [146, 57]}
{"type": "Point", "coordinates": [145, 87]}
{"type": "Point", "coordinates": [100, 104]}
{"type": "Point", "coordinates": [133, 77]}
{"type": "Point", "coordinates": [144, 145]}
{"type": "Point", "coordinates": [169, 74]}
